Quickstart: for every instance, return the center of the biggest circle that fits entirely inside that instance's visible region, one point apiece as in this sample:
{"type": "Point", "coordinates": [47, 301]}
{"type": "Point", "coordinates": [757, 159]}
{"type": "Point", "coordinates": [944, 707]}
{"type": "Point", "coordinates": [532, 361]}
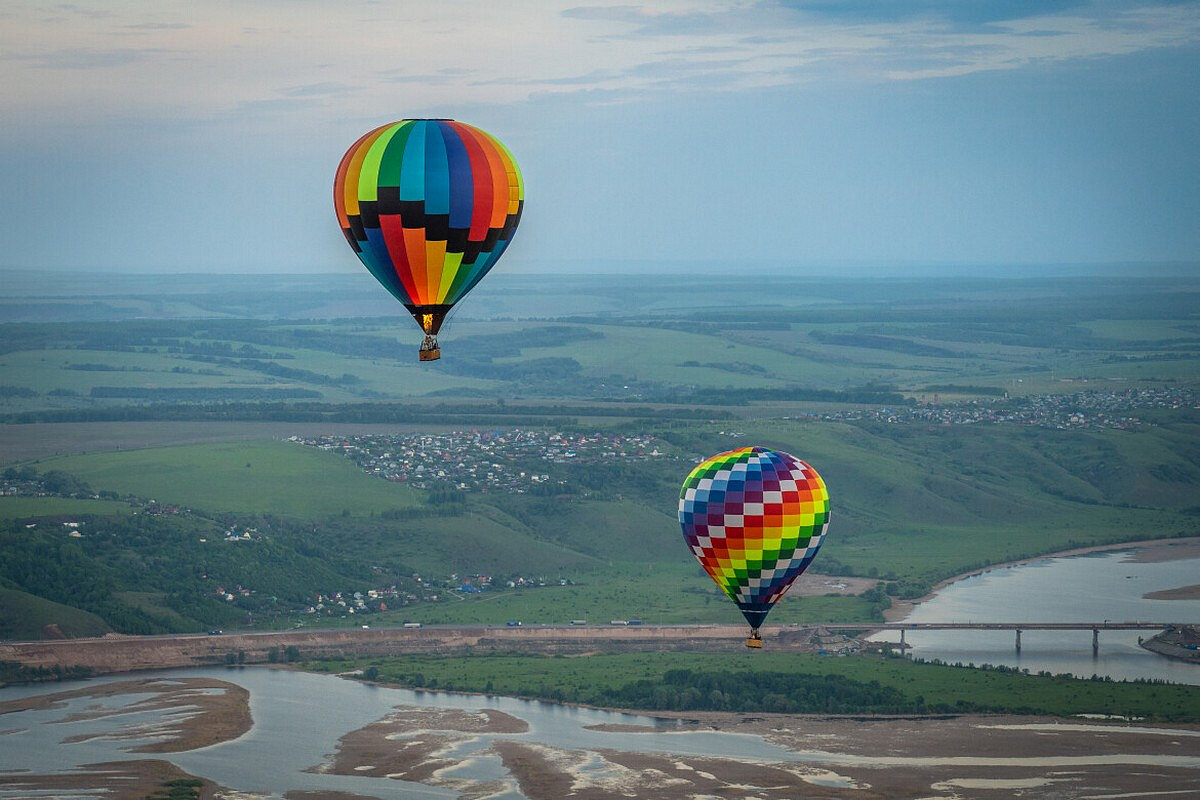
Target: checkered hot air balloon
{"type": "Point", "coordinates": [429, 206]}
{"type": "Point", "coordinates": [754, 518]}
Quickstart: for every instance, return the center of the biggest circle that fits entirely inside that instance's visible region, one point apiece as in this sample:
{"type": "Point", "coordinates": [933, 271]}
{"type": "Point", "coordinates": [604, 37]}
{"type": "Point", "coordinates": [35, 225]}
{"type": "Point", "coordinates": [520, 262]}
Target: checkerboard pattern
{"type": "Point", "coordinates": [755, 519]}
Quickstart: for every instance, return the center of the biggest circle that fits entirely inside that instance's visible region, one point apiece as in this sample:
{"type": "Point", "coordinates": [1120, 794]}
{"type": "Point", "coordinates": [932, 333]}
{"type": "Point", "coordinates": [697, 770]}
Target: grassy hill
{"type": "Point", "coordinates": [24, 615]}
{"type": "Point", "coordinates": [811, 366]}
{"type": "Point", "coordinates": [269, 477]}
{"type": "Point", "coordinates": [911, 504]}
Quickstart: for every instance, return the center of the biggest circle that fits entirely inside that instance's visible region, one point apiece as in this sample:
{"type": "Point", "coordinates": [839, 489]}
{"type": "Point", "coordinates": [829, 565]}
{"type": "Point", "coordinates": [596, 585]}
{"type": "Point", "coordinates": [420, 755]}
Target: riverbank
{"type": "Point", "coordinates": [852, 758]}
{"type": "Point", "coordinates": [1150, 550]}
{"type": "Point", "coordinates": [476, 746]}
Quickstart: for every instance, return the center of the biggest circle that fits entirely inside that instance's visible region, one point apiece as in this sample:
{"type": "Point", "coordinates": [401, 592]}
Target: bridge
{"type": "Point", "coordinates": [1094, 627]}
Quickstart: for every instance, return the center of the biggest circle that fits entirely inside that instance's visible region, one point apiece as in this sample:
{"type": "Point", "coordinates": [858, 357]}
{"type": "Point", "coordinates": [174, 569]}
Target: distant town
{"type": "Point", "coordinates": [1098, 409]}
{"type": "Point", "coordinates": [515, 461]}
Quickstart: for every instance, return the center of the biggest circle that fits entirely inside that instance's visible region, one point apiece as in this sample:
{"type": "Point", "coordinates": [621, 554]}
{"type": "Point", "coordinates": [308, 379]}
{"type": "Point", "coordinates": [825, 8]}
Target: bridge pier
{"type": "Point", "coordinates": [1095, 641]}
{"type": "Point", "coordinates": [1018, 640]}
{"type": "Point", "coordinates": [902, 644]}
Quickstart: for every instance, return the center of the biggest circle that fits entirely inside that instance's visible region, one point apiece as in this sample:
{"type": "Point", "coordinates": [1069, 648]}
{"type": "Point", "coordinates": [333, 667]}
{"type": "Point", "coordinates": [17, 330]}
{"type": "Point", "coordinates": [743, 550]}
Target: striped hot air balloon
{"type": "Point", "coordinates": [754, 518]}
{"type": "Point", "coordinates": [429, 206]}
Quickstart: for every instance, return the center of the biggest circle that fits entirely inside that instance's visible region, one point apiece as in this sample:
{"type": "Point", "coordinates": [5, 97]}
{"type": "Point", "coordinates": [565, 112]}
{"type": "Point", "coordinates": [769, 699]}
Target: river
{"type": "Point", "coordinates": [300, 717]}
{"type": "Point", "coordinates": [1081, 588]}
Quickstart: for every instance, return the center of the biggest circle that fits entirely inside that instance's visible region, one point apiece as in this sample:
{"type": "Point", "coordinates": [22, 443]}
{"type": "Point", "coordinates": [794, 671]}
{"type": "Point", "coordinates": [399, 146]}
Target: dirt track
{"type": "Point", "coordinates": [115, 653]}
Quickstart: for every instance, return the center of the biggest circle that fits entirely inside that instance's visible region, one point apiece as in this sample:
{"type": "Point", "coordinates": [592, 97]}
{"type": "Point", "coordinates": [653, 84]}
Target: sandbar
{"type": "Point", "coordinates": [835, 757]}
{"type": "Point", "coordinates": [116, 780]}
{"type": "Point", "coordinates": [217, 711]}
{"type": "Point", "coordinates": [1180, 593]}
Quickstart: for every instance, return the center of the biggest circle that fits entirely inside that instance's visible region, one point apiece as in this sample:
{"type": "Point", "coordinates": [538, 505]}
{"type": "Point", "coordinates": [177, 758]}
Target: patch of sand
{"type": "Point", "coordinates": [119, 780]}
{"type": "Point", "coordinates": [1181, 593]}
{"type": "Point", "coordinates": [863, 758]}
{"type": "Point", "coordinates": [206, 711]}
{"type": "Point", "coordinates": [1168, 550]}
{"type": "Point", "coordinates": [412, 744]}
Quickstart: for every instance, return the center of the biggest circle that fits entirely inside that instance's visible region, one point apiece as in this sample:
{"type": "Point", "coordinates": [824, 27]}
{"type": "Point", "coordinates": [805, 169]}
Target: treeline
{"type": "Point", "coordinates": [14, 672]}
{"type": "Point", "coordinates": [891, 344]}
{"type": "Point", "coordinates": [269, 367]}
{"type": "Point", "coordinates": [498, 413]}
{"type": "Point", "coordinates": [770, 692]}
{"type": "Point", "coordinates": [202, 394]}
{"type": "Point", "coordinates": [688, 690]}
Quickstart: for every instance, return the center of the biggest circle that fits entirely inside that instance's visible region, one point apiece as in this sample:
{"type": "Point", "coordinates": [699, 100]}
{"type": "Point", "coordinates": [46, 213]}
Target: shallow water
{"type": "Point", "coordinates": [298, 718]}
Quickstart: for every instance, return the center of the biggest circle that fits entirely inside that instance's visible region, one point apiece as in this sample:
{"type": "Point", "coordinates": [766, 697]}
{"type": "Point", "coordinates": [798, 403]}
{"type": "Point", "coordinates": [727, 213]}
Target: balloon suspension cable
{"type": "Point", "coordinates": [429, 349]}
{"type": "Point", "coordinates": [755, 640]}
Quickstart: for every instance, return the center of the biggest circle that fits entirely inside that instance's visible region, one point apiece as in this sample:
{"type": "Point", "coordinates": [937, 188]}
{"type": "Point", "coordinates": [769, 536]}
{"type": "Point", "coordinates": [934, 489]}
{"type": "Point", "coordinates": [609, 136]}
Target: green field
{"type": "Point", "coordinates": [603, 679]}
{"type": "Point", "coordinates": [911, 506]}
{"type": "Point", "coordinates": [645, 338]}
{"type": "Point", "coordinates": [23, 615]}
{"type": "Point", "coordinates": [668, 592]}
{"type": "Point", "coordinates": [25, 507]}
{"type": "Point", "coordinates": [257, 477]}
{"type": "Point", "coordinates": [811, 366]}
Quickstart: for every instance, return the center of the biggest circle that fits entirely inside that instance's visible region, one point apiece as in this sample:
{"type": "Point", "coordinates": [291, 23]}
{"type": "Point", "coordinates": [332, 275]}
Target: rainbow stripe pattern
{"type": "Point", "coordinates": [429, 206]}
{"type": "Point", "coordinates": [754, 518]}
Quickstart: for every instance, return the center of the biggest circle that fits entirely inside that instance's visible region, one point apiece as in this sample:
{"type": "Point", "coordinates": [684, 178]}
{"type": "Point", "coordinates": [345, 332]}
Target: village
{"type": "Point", "coordinates": [1090, 409]}
{"type": "Point", "coordinates": [517, 461]}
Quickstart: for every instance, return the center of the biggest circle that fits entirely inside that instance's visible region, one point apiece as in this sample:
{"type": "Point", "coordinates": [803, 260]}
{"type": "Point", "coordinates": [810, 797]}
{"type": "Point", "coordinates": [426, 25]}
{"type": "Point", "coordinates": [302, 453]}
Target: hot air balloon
{"type": "Point", "coordinates": [754, 518]}
{"type": "Point", "coordinates": [429, 205]}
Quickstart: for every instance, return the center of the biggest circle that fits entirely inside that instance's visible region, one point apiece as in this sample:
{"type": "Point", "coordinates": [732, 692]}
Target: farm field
{"type": "Point", "coordinates": [23, 507]}
{"type": "Point", "coordinates": [269, 477]}
{"type": "Point", "coordinates": [910, 508]}
{"type": "Point", "coordinates": [957, 423]}
{"type": "Point", "coordinates": [650, 339]}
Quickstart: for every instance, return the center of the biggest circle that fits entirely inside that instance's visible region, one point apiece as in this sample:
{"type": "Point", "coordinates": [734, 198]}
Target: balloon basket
{"type": "Point", "coordinates": [754, 642]}
{"type": "Point", "coordinates": [429, 349]}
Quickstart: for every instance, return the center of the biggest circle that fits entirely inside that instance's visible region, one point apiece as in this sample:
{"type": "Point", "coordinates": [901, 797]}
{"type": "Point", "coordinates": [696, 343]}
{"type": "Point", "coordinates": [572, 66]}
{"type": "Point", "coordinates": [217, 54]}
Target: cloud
{"type": "Point", "coordinates": [973, 12]}
{"type": "Point", "coordinates": [157, 26]}
{"type": "Point", "coordinates": [88, 59]}
{"type": "Point", "coordinates": [317, 90]}
{"type": "Point", "coordinates": [221, 58]}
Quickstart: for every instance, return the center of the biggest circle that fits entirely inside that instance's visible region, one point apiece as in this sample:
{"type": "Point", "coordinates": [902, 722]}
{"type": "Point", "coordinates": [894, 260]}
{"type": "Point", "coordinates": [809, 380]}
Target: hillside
{"type": "Point", "coordinates": [912, 504]}
{"type": "Point", "coordinates": [957, 422]}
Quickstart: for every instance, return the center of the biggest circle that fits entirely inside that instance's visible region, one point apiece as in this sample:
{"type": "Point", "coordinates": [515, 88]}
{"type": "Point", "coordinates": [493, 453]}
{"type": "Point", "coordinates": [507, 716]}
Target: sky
{"type": "Point", "coordinates": [801, 137]}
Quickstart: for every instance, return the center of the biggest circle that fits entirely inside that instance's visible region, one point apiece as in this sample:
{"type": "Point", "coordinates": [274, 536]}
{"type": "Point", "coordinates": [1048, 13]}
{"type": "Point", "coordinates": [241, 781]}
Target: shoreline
{"type": "Point", "coordinates": [902, 608]}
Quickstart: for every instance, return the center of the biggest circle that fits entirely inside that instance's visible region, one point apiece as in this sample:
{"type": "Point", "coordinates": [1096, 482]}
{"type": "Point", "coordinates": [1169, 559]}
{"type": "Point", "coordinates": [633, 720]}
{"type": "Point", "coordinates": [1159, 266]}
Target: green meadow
{"type": "Point", "coordinates": [662, 593]}
{"type": "Point", "coordinates": [272, 477]}
{"type": "Point", "coordinates": [25, 507]}
{"type": "Point", "coordinates": [704, 366]}
{"type": "Point", "coordinates": [602, 679]}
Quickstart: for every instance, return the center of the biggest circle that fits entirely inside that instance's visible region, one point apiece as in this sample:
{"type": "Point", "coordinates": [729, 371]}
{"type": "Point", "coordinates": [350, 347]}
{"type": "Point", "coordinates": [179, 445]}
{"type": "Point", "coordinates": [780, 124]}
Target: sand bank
{"type": "Point", "coordinates": [836, 757]}
{"type": "Point", "coordinates": [1181, 593]}
{"type": "Point", "coordinates": [118, 780]}
{"type": "Point", "coordinates": [211, 711]}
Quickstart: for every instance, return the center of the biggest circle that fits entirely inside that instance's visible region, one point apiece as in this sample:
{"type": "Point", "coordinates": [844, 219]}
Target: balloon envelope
{"type": "Point", "coordinates": [754, 518]}
{"type": "Point", "coordinates": [429, 205]}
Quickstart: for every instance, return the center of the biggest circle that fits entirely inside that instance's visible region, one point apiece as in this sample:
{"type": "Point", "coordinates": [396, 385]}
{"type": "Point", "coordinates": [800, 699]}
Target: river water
{"type": "Point", "coordinates": [1085, 588]}
{"type": "Point", "coordinates": [299, 717]}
